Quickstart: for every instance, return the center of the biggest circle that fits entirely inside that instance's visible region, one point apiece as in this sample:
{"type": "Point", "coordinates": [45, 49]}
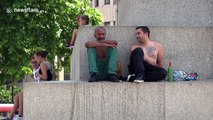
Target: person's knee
{"type": "Point", "coordinates": [21, 95]}
{"type": "Point", "coordinates": [112, 49]}
{"type": "Point", "coordinates": [112, 52]}
{"type": "Point", "coordinates": [91, 51]}
{"type": "Point", "coordinates": [16, 98]}
{"type": "Point", "coordinates": [138, 50]}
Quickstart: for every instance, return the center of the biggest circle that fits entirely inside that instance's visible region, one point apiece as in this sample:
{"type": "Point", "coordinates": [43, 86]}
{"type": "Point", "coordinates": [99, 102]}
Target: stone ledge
{"type": "Point", "coordinates": [113, 101]}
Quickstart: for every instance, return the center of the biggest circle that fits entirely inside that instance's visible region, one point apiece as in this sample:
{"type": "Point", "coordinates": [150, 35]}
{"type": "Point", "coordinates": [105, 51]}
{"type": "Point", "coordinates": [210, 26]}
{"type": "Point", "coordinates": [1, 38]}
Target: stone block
{"type": "Point", "coordinates": [190, 48]}
{"type": "Point", "coordinates": [77, 100]}
{"type": "Point", "coordinates": [165, 13]}
{"type": "Point", "coordinates": [93, 101]}
{"type": "Point", "coordinates": [189, 101]}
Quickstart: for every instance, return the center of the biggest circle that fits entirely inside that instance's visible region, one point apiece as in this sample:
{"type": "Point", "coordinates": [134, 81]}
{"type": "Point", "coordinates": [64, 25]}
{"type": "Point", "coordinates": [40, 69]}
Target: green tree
{"type": "Point", "coordinates": [6, 94]}
{"type": "Point", "coordinates": [27, 26]}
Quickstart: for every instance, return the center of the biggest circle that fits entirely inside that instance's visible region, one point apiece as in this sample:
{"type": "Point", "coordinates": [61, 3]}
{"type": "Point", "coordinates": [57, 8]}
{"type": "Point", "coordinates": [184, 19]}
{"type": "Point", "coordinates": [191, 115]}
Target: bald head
{"type": "Point", "coordinates": [100, 33]}
{"type": "Point", "coordinates": [100, 27]}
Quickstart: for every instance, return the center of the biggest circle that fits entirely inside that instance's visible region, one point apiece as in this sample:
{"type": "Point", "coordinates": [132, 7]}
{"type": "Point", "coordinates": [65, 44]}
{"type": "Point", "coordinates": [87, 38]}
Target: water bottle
{"type": "Point", "coordinates": [170, 72]}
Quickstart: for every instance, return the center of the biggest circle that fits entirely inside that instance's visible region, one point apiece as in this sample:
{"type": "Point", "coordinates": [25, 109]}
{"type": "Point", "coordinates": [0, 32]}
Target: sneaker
{"type": "Point", "coordinates": [131, 78]}
{"type": "Point", "coordinates": [93, 77]}
{"type": "Point", "coordinates": [17, 117]}
{"type": "Point", "coordinates": [139, 78]}
{"type": "Point", "coordinates": [67, 44]}
{"type": "Point", "coordinates": [138, 81]}
{"type": "Point", "coordinates": [70, 47]}
{"type": "Point", "coordinates": [113, 78]}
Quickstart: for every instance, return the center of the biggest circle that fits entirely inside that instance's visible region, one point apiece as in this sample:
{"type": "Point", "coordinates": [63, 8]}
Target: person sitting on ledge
{"type": "Point", "coordinates": [17, 111]}
{"type": "Point", "coordinates": [146, 59]}
{"type": "Point", "coordinates": [46, 71]}
{"type": "Point", "coordinates": [82, 21]}
{"type": "Point", "coordinates": [102, 57]}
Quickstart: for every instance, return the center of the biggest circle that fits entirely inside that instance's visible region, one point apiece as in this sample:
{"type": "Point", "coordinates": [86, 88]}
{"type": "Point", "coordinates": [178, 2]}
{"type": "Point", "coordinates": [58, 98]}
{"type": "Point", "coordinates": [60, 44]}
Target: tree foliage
{"type": "Point", "coordinates": [6, 94]}
{"type": "Point", "coordinates": [27, 26]}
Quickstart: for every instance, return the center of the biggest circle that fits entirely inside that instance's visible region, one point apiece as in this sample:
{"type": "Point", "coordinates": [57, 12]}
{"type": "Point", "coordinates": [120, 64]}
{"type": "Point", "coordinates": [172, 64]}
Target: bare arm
{"type": "Point", "coordinates": [15, 106]}
{"type": "Point", "coordinates": [74, 35]}
{"type": "Point", "coordinates": [160, 56]}
{"type": "Point", "coordinates": [150, 60]}
{"type": "Point", "coordinates": [112, 42]}
{"type": "Point", "coordinates": [43, 76]}
{"type": "Point", "coordinates": [20, 109]}
{"type": "Point", "coordinates": [101, 43]}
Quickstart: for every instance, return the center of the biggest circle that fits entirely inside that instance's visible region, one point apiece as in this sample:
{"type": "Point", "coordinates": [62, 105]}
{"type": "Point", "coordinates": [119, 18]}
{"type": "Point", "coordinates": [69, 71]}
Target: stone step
{"type": "Point", "coordinates": [190, 48]}
{"type": "Point", "coordinates": [75, 100]}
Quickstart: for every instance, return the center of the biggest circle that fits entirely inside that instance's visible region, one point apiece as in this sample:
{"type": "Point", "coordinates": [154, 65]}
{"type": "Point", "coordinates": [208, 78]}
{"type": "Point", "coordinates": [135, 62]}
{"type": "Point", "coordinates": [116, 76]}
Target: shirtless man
{"type": "Point", "coordinates": [102, 57]}
{"type": "Point", "coordinates": [146, 60]}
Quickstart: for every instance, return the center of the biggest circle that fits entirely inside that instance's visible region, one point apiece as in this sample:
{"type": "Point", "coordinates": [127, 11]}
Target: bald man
{"type": "Point", "coordinates": [102, 57]}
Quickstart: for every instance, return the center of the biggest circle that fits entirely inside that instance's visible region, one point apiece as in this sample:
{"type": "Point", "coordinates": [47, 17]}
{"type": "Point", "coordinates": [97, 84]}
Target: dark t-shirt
{"type": "Point", "coordinates": [49, 71]}
{"type": "Point", "coordinates": [49, 75]}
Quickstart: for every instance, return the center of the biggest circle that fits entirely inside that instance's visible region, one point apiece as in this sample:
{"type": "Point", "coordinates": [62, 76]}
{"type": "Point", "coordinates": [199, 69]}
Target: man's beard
{"type": "Point", "coordinates": [141, 41]}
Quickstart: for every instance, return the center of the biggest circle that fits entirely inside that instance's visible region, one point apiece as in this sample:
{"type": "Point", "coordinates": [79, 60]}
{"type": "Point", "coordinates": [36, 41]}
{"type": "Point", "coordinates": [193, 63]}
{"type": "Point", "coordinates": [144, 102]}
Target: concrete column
{"type": "Point", "coordinates": [165, 12]}
{"type": "Point", "coordinates": [111, 2]}
{"type": "Point", "coordinates": [61, 72]}
{"type": "Point", "coordinates": [75, 61]}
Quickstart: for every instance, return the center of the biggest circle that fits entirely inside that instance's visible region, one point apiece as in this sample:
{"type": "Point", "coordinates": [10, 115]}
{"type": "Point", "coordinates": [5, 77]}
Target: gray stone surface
{"type": "Point", "coordinates": [93, 101]}
{"type": "Point", "coordinates": [75, 100]}
{"type": "Point", "coordinates": [48, 101]}
{"type": "Point", "coordinates": [189, 101]}
{"type": "Point", "coordinates": [165, 12]}
{"type": "Point", "coordinates": [190, 48]}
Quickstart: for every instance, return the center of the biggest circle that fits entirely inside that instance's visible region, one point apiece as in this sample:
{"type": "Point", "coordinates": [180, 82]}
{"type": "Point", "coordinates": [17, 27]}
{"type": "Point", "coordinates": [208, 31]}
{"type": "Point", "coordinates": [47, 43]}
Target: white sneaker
{"type": "Point", "coordinates": [130, 78]}
{"type": "Point", "coordinates": [138, 81]}
{"type": "Point", "coordinates": [70, 47]}
{"type": "Point", "coordinates": [16, 117]}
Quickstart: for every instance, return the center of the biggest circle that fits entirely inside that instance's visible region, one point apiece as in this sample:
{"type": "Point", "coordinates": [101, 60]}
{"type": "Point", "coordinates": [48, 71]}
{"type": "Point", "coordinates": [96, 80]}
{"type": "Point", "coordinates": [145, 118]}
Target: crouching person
{"type": "Point", "coordinates": [102, 57]}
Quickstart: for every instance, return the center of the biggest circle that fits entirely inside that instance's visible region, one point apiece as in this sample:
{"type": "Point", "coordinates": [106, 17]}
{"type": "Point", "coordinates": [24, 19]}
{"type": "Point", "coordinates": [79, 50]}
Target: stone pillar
{"type": "Point", "coordinates": [165, 12]}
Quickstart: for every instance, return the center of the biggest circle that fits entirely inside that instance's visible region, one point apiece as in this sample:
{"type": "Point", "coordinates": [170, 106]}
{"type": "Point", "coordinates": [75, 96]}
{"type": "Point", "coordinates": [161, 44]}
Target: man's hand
{"type": "Point", "coordinates": [110, 45]}
{"type": "Point", "coordinates": [148, 59]}
{"type": "Point", "coordinates": [112, 42]}
{"type": "Point", "coordinates": [101, 43]}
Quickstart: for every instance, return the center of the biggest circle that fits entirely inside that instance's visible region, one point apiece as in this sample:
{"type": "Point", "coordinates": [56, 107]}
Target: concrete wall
{"type": "Point", "coordinates": [190, 48]}
{"type": "Point", "coordinates": [165, 12]}
{"type": "Point", "coordinates": [118, 101]}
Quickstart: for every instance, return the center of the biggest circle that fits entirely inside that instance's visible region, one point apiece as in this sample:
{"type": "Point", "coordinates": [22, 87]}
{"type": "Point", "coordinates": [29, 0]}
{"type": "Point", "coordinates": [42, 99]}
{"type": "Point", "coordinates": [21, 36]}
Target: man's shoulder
{"type": "Point", "coordinates": [157, 44]}
{"type": "Point", "coordinates": [135, 45]}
